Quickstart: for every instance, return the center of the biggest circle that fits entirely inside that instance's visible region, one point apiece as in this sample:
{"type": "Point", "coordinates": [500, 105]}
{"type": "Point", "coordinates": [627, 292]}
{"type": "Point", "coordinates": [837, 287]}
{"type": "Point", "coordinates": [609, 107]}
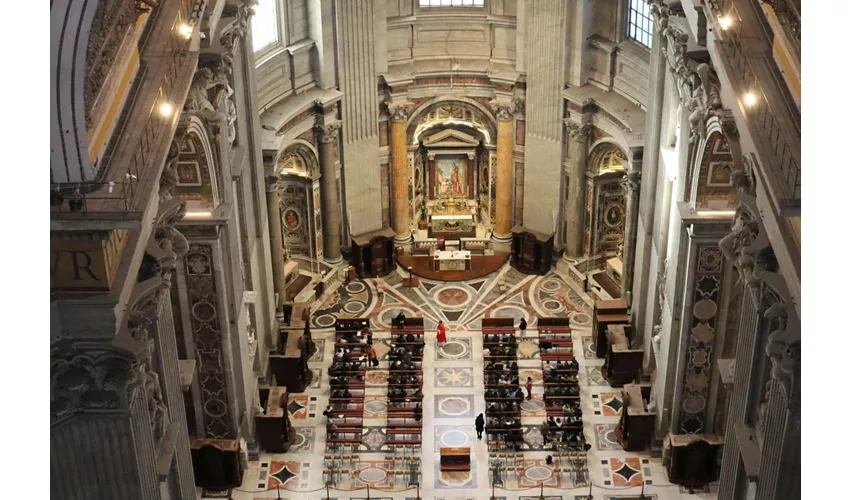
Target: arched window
{"type": "Point", "coordinates": [640, 22]}
{"type": "Point", "coordinates": [451, 3]}
{"type": "Point", "coordinates": [265, 26]}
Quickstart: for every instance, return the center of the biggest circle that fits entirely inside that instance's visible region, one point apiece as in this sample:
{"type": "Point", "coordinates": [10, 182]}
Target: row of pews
{"type": "Point", "coordinates": [352, 342]}
{"type": "Point", "coordinates": [503, 396]}
{"type": "Point", "coordinates": [561, 393]}
{"type": "Point", "coordinates": [404, 385]}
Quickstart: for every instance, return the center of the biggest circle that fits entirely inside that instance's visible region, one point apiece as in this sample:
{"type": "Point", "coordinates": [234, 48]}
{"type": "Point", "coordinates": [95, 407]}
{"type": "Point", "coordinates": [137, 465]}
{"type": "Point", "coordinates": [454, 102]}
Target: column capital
{"type": "Point", "coordinates": [272, 183]}
{"type": "Point", "coordinates": [504, 110]}
{"type": "Point", "coordinates": [399, 112]}
{"type": "Point", "coordinates": [327, 133]}
{"type": "Point", "coordinates": [579, 133]}
{"type": "Point", "coordinates": [519, 106]}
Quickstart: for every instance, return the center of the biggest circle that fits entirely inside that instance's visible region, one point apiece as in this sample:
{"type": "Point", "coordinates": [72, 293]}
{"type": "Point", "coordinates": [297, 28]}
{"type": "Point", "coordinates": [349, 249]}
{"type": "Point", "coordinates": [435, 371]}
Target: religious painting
{"type": "Point", "coordinates": [451, 176]}
{"type": "Point", "coordinates": [291, 219]}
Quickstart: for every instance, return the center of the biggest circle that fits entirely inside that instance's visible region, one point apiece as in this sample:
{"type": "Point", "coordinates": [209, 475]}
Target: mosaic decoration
{"type": "Point", "coordinates": [453, 406]}
{"type": "Point", "coordinates": [203, 307]}
{"type": "Point", "coordinates": [373, 439]}
{"type": "Point", "coordinates": [284, 475]}
{"type": "Point", "coordinates": [706, 297]}
{"type": "Point", "coordinates": [293, 215]}
{"type": "Point", "coordinates": [607, 404]}
{"type": "Point", "coordinates": [194, 182]}
{"type": "Point", "coordinates": [453, 436]}
{"type": "Point", "coordinates": [589, 347]}
{"type": "Point", "coordinates": [625, 472]}
{"type": "Point", "coordinates": [610, 216]}
{"type": "Point", "coordinates": [454, 349]}
{"type": "Point", "coordinates": [375, 473]}
{"type": "Point", "coordinates": [454, 479]}
{"type": "Point", "coordinates": [605, 437]}
{"type": "Point", "coordinates": [304, 437]}
{"type": "Point", "coordinates": [298, 406]}
{"type": "Point", "coordinates": [317, 224]}
{"type": "Point", "coordinates": [535, 472]}
{"type": "Point", "coordinates": [594, 376]}
{"type": "Point", "coordinates": [453, 377]}
{"type": "Point", "coordinates": [714, 190]}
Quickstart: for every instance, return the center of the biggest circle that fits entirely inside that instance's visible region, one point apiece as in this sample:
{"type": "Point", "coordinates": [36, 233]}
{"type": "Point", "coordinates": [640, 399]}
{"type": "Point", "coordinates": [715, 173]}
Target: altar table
{"type": "Point", "coordinates": [448, 260]}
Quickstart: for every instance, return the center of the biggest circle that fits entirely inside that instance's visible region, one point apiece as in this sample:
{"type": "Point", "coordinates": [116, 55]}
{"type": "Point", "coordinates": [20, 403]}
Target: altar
{"type": "Point", "coordinates": [451, 218]}
{"type": "Point", "coordinates": [452, 260]}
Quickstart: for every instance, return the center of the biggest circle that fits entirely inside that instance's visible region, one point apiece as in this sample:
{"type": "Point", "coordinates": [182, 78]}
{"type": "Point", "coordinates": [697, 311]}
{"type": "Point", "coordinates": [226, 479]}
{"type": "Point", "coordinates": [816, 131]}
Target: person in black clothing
{"type": "Point", "coordinates": [400, 320]}
{"type": "Point", "coordinates": [479, 424]}
{"type": "Point", "coordinates": [417, 412]}
{"type": "Point", "coordinates": [522, 326]}
{"type": "Point", "coordinates": [409, 338]}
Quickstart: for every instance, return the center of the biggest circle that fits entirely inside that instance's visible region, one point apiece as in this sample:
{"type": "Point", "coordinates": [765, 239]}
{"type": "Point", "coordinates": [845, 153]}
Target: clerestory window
{"type": "Point", "coordinates": [451, 3]}
{"type": "Point", "coordinates": [265, 25]}
{"type": "Point", "coordinates": [640, 22]}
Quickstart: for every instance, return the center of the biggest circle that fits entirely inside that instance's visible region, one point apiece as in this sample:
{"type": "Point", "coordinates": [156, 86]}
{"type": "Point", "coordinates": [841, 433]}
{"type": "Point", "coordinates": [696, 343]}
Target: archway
{"type": "Point", "coordinates": [300, 205]}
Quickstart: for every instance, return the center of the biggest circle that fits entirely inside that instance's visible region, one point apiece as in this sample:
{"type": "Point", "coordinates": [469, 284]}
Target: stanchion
{"type": "Point", "coordinates": [278, 492]}
{"type": "Point", "coordinates": [328, 491]}
{"type": "Point", "coordinates": [590, 495]}
{"type": "Point", "coordinates": [417, 492]}
{"type": "Point", "coordinates": [493, 486]}
{"type": "Point", "coordinates": [542, 497]}
{"type": "Point", "coordinates": [367, 491]}
{"type": "Point", "coordinates": [642, 496]}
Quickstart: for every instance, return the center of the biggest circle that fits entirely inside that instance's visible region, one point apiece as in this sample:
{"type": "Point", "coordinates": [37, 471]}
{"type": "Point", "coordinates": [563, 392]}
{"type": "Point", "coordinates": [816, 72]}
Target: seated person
{"type": "Point", "coordinates": [409, 338]}
{"type": "Point", "coordinates": [417, 412]}
{"type": "Point", "coordinates": [346, 394]}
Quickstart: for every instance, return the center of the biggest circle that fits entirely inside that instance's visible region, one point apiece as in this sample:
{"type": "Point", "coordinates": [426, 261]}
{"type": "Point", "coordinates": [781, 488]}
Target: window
{"type": "Point", "coordinates": [640, 22]}
{"type": "Point", "coordinates": [451, 3]}
{"type": "Point", "coordinates": [264, 26]}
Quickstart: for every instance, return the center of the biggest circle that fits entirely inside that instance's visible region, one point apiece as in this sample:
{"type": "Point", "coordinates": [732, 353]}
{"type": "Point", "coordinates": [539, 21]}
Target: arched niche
{"type": "Point", "coordinates": [605, 217]}
{"type": "Point", "coordinates": [710, 186]}
{"type": "Point", "coordinates": [297, 167]}
{"type": "Point", "coordinates": [447, 111]}
{"type": "Point", "coordinates": [198, 168]}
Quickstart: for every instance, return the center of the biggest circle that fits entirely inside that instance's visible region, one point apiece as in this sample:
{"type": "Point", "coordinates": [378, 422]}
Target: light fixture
{"type": "Point", "coordinates": [749, 98]}
{"type": "Point", "coordinates": [198, 214]}
{"type": "Point", "coordinates": [715, 213]}
{"type": "Point", "coordinates": [725, 22]}
{"type": "Point", "coordinates": [185, 31]}
{"type": "Point", "coordinates": [165, 109]}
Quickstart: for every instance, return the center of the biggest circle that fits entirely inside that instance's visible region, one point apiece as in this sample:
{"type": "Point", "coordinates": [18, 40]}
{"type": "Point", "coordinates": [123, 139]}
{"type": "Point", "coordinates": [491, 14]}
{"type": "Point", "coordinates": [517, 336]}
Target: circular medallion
{"type": "Point", "coordinates": [532, 405]}
{"type": "Point", "coordinates": [613, 216]}
{"type": "Point", "coordinates": [580, 319]}
{"type": "Point", "coordinates": [452, 296]}
{"type": "Point", "coordinates": [538, 473]}
{"type": "Point", "coordinates": [203, 311]}
{"type": "Point", "coordinates": [454, 349]}
{"type": "Point", "coordinates": [699, 357]}
{"type": "Point", "coordinates": [291, 219]}
{"type": "Point", "coordinates": [552, 305]}
{"type": "Point", "coordinates": [325, 320]}
{"type": "Point", "coordinates": [454, 438]}
{"type": "Point", "coordinates": [215, 408]}
{"type": "Point", "coordinates": [705, 309]}
{"type": "Point", "coordinates": [375, 406]}
{"type": "Point", "coordinates": [372, 475]}
{"type": "Point", "coordinates": [694, 404]}
{"type": "Point", "coordinates": [355, 287]}
{"type": "Point", "coordinates": [551, 285]}
{"type": "Point", "coordinates": [354, 307]}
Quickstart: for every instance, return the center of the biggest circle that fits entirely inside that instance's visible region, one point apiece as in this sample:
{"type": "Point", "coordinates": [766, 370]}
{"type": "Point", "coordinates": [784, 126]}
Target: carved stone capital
{"type": "Point", "coordinates": [272, 183]}
{"type": "Point", "coordinates": [398, 112]}
{"type": "Point", "coordinates": [504, 110]}
{"type": "Point", "coordinates": [631, 181]}
{"type": "Point", "coordinates": [327, 133]}
{"type": "Point", "coordinates": [579, 133]}
{"type": "Point", "coordinates": [519, 106]}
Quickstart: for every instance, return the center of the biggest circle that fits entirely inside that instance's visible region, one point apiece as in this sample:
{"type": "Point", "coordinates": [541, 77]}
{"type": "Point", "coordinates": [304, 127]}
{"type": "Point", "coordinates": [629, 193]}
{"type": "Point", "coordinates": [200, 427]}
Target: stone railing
{"type": "Point", "coordinates": [779, 136]}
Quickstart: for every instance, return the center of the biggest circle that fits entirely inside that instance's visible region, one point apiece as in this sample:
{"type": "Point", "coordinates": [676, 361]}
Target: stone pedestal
{"type": "Point", "coordinates": [504, 172]}
{"type": "Point", "coordinates": [576, 204]}
{"type": "Point", "coordinates": [400, 175]}
{"type": "Point", "coordinates": [276, 237]}
{"type": "Point", "coordinates": [331, 228]}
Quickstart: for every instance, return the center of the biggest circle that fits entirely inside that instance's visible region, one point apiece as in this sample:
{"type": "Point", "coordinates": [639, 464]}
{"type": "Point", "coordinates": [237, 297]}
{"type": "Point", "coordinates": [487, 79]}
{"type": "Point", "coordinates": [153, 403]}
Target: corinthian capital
{"type": "Point", "coordinates": [579, 133]}
{"type": "Point", "coordinates": [504, 110]}
{"type": "Point", "coordinates": [327, 133]}
{"type": "Point", "coordinates": [272, 183]}
{"type": "Point", "coordinates": [632, 181]}
{"type": "Point", "coordinates": [399, 112]}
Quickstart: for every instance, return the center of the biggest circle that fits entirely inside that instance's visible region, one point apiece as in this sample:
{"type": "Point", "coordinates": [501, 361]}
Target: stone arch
{"type": "Point", "coordinates": [607, 164]}
{"type": "Point", "coordinates": [710, 183]}
{"type": "Point", "coordinates": [439, 110]}
{"type": "Point", "coordinates": [298, 158]}
{"type": "Point", "coordinates": [602, 151]}
{"type": "Point", "coordinates": [198, 169]}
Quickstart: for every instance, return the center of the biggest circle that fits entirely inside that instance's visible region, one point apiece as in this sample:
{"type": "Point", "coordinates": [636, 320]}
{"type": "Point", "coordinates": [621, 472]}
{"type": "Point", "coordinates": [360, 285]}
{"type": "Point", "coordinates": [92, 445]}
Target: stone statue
{"type": "Point", "coordinates": [198, 99]}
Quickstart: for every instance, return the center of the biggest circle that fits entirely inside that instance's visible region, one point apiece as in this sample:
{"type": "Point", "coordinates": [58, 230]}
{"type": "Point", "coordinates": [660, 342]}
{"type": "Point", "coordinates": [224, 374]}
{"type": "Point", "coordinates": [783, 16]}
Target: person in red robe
{"type": "Point", "coordinates": [441, 333]}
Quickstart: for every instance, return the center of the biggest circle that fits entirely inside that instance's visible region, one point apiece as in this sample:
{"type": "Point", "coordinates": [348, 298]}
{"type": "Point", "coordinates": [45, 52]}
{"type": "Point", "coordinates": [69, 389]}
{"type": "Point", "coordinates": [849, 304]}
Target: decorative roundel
{"type": "Point", "coordinates": [355, 287]}
{"type": "Point", "coordinates": [454, 438]}
{"type": "Point", "coordinates": [203, 311]}
{"type": "Point", "coordinates": [375, 406]}
{"type": "Point", "coordinates": [372, 474]}
{"type": "Point", "coordinates": [552, 305]}
{"type": "Point", "coordinates": [538, 473]}
{"type": "Point", "coordinates": [291, 219]}
{"type": "Point", "coordinates": [551, 285]}
{"type": "Point", "coordinates": [705, 309]}
{"type": "Point", "coordinates": [325, 320]}
{"type": "Point", "coordinates": [452, 296]}
{"type": "Point", "coordinates": [580, 319]}
{"type": "Point", "coordinates": [215, 408]}
{"type": "Point", "coordinates": [532, 405]}
{"type": "Point", "coordinates": [454, 349]}
{"type": "Point", "coordinates": [694, 404]}
{"type": "Point", "coordinates": [354, 307]}
{"type": "Point", "coordinates": [613, 216]}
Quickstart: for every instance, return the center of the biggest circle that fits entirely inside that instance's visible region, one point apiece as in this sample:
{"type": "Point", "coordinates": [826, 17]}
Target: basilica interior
{"type": "Point", "coordinates": [403, 249]}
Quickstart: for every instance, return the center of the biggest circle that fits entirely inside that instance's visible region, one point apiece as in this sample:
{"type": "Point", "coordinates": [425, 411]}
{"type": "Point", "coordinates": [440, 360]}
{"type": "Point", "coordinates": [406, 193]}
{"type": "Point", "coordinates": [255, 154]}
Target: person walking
{"type": "Point", "coordinates": [479, 424]}
{"type": "Point", "coordinates": [441, 333]}
{"type": "Point", "coordinates": [373, 357]}
{"type": "Point", "coordinates": [522, 326]}
{"type": "Point", "coordinates": [528, 386]}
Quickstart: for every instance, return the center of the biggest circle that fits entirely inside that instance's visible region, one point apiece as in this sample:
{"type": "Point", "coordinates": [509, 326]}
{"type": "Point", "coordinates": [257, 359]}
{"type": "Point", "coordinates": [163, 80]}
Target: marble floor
{"type": "Point", "coordinates": [454, 395]}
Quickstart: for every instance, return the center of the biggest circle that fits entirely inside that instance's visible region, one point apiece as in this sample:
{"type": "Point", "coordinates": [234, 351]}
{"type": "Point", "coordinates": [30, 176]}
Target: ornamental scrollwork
{"type": "Point", "coordinates": [580, 133]}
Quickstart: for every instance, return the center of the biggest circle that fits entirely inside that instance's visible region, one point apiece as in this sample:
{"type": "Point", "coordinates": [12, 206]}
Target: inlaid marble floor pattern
{"type": "Point", "coordinates": [454, 395]}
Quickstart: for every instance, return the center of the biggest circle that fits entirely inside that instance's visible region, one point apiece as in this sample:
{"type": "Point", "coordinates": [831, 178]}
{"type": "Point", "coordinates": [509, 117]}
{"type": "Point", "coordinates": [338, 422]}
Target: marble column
{"type": "Point", "coordinates": [276, 238]}
{"type": "Point", "coordinates": [504, 171]}
{"type": "Point", "coordinates": [632, 185]}
{"type": "Point", "coordinates": [576, 202]}
{"type": "Point", "coordinates": [331, 227]}
{"type": "Point", "coordinates": [400, 175]}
